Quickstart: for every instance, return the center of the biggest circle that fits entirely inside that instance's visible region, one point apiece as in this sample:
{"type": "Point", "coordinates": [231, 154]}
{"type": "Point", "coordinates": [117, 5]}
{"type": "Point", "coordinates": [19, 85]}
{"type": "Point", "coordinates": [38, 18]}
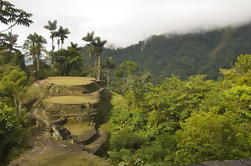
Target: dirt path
{"type": "Point", "coordinates": [49, 152]}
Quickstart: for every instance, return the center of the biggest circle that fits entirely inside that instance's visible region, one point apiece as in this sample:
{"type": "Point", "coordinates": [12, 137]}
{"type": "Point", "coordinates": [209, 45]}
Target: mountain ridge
{"type": "Point", "coordinates": [187, 54]}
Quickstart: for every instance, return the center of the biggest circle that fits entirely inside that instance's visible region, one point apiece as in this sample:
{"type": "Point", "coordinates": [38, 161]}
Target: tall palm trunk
{"type": "Point", "coordinates": [58, 43]}
{"type": "Point", "coordinates": [35, 66]}
{"type": "Point", "coordinates": [107, 79]}
{"type": "Point", "coordinates": [38, 65]}
{"type": "Point", "coordinates": [53, 48]}
{"type": "Point", "coordinates": [11, 47]}
{"type": "Point", "coordinates": [98, 68]}
{"type": "Point", "coordinates": [94, 72]}
{"type": "Point", "coordinates": [52, 44]}
{"type": "Point", "coordinates": [16, 103]}
{"type": "Point", "coordinates": [38, 60]}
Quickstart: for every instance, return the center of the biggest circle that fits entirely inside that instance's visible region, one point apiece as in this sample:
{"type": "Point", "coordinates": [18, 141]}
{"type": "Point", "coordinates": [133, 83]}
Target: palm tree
{"type": "Point", "coordinates": [56, 34]}
{"type": "Point", "coordinates": [10, 40]}
{"type": "Point", "coordinates": [89, 38]}
{"type": "Point", "coordinates": [96, 47]}
{"type": "Point", "coordinates": [74, 46]}
{"type": "Point", "coordinates": [52, 26]}
{"type": "Point", "coordinates": [109, 65]}
{"type": "Point", "coordinates": [62, 34]}
{"type": "Point", "coordinates": [34, 44]}
{"type": "Point", "coordinates": [99, 47]}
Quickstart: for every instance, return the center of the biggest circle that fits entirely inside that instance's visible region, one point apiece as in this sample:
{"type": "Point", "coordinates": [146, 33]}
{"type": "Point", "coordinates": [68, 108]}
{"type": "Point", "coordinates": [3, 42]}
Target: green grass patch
{"type": "Point", "coordinates": [70, 80]}
{"type": "Point", "coordinates": [79, 129]}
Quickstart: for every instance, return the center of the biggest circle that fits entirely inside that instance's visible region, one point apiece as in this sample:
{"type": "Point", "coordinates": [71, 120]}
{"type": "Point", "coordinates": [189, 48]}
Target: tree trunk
{"type": "Point", "coordinates": [38, 65]}
{"type": "Point", "coordinates": [107, 79]}
{"type": "Point", "coordinates": [52, 44]}
{"type": "Point", "coordinates": [11, 47]}
{"type": "Point", "coordinates": [58, 43]}
{"type": "Point", "coordinates": [98, 69]}
{"type": "Point", "coordinates": [53, 48]}
{"type": "Point", "coordinates": [16, 103]}
{"type": "Point", "coordinates": [94, 72]}
{"type": "Point", "coordinates": [34, 65]}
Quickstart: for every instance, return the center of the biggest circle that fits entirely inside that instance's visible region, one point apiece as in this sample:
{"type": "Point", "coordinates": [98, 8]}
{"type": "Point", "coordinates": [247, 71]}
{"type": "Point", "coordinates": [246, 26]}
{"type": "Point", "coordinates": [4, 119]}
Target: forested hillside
{"type": "Point", "coordinates": [185, 55]}
{"type": "Point", "coordinates": [181, 122]}
{"type": "Point", "coordinates": [161, 105]}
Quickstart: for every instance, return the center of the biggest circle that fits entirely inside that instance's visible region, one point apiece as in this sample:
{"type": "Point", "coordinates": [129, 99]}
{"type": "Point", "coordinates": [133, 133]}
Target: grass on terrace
{"type": "Point", "coordinates": [70, 80]}
{"type": "Point", "coordinates": [91, 99]}
{"type": "Point", "coordinates": [79, 129]}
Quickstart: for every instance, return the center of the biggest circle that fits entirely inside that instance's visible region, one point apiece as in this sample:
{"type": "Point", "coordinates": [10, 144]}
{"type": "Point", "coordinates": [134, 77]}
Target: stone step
{"type": "Point", "coordinates": [81, 133]}
{"type": "Point", "coordinates": [47, 121]}
{"type": "Point", "coordinates": [100, 140]}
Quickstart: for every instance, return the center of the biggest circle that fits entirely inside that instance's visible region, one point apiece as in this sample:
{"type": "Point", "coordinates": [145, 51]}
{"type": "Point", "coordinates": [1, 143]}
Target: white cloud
{"type": "Point", "coordinates": [124, 22]}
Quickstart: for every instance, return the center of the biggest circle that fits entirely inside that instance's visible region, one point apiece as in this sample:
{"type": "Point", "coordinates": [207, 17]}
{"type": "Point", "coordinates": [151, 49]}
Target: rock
{"type": "Point", "coordinates": [246, 161]}
{"type": "Point", "coordinates": [59, 132]}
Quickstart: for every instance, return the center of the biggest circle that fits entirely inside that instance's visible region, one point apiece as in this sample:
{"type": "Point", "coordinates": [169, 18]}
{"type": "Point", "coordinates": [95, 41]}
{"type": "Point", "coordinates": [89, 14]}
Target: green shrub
{"type": "Point", "coordinates": [127, 140]}
{"type": "Point", "coordinates": [207, 136]}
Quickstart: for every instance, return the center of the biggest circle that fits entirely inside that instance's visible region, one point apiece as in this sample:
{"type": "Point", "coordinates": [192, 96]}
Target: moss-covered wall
{"type": "Point", "coordinates": [103, 106]}
{"type": "Point", "coordinates": [61, 90]}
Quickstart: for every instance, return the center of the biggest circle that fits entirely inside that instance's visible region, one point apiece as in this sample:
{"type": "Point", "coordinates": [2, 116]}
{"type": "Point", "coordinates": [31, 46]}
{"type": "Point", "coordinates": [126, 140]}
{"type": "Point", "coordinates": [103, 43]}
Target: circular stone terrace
{"type": "Point", "coordinates": [70, 80]}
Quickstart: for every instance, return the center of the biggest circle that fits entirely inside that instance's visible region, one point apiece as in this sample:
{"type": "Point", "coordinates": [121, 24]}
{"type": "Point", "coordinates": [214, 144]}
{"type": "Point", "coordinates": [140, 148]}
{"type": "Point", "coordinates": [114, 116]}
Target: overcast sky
{"type": "Point", "coordinates": [125, 22]}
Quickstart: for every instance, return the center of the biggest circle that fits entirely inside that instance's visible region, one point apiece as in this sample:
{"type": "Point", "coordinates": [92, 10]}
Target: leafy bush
{"type": "Point", "coordinates": [207, 136]}
{"type": "Point", "coordinates": [125, 139]}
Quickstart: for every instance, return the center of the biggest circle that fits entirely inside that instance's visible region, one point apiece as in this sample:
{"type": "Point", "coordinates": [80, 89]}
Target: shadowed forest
{"type": "Point", "coordinates": [176, 99]}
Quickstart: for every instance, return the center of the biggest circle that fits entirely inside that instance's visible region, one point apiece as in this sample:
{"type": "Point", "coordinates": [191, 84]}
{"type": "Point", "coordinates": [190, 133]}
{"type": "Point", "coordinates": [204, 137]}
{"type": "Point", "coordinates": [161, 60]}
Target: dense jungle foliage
{"type": "Point", "coordinates": [189, 54]}
{"type": "Point", "coordinates": [180, 122]}
{"type": "Point", "coordinates": [168, 106]}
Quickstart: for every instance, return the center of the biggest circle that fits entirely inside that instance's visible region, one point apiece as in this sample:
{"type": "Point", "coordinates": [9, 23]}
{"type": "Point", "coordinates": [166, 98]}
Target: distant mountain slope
{"type": "Point", "coordinates": [185, 55]}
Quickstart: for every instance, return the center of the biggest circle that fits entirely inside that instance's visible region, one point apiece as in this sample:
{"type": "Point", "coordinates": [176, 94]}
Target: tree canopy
{"type": "Point", "coordinates": [181, 122]}
{"type": "Point", "coordinates": [11, 15]}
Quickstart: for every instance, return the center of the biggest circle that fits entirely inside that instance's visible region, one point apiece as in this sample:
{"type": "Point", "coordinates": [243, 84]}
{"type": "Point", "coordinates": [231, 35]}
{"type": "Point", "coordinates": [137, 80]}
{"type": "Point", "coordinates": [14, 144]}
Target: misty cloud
{"type": "Point", "coordinates": [125, 22]}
